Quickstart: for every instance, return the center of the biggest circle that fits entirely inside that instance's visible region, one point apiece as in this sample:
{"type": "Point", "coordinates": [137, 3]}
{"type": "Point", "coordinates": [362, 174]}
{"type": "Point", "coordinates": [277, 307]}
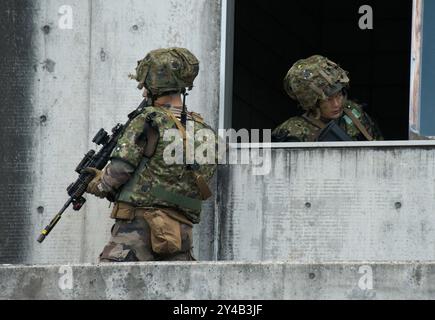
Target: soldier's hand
{"type": "Point", "coordinates": [95, 187]}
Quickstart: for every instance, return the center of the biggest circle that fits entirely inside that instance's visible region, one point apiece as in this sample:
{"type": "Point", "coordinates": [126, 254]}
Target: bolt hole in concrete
{"type": "Point", "coordinates": [312, 276]}
{"type": "Point", "coordinates": [135, 27]}
{"type": "Point", "coordinates": [398, 205]}
{"type": "Point", "coordinates": [46, 29]}
{"type": "Point", "coordinates": [307, 205]}
{"type": "Point", "coordinates": [40, 209]}
{"type": "Point", "coordinates": [43, 118]}
{"type": "Point", "coordinates": [103, 55]}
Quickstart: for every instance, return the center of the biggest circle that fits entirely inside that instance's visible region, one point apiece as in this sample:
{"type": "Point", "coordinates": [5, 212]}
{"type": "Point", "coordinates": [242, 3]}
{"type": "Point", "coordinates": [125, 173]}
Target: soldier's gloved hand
{"type": "Point", "coordinates": [95, 187]}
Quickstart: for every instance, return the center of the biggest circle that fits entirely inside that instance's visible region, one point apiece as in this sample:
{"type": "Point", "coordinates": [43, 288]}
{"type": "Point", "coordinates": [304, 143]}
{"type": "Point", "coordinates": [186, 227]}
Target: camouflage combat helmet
{"type": "Point", "coordinates": [313, 79]}
{"type": "Point", "coordinates": [167, 70]}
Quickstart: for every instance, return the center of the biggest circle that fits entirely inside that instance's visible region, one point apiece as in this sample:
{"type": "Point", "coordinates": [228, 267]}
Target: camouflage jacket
{"type": "Point", "coordinates": [298, 129]}
{"type": "Point", "coordinates": [151, 182]}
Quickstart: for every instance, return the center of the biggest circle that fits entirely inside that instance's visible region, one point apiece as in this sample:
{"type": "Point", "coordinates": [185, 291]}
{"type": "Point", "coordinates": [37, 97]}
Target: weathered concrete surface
{"type": "Point", "coordinates": [329, 204]}
{"type": "Point", "coordinates": [220, 280]}
{"type": "Point", "coordinates": [60, 97]}
{"type": "Point", "coordinates": [17, 123]}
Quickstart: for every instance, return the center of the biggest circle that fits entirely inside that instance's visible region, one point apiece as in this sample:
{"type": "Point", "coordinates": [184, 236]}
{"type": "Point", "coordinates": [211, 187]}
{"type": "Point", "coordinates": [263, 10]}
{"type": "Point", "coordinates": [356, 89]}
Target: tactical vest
{"type": "Point", "coordinates": [154, 182]}
{"type": "Point", "coordinates": [354, 121]}
{"type": "Point", "coordinates": [350, 122]}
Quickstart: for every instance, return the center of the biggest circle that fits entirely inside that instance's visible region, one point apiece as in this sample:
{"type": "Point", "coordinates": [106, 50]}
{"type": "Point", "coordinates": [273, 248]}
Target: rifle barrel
{"type": "Point", "coordinates": [53, 222]}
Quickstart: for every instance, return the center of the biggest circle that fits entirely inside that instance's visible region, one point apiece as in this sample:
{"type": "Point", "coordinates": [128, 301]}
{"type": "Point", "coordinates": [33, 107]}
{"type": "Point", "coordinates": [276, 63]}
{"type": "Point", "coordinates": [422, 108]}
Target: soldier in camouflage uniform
{"type": "Point", "coordinates": [156, 203]}
{"type": "Point", "coordinates": [320, 87]}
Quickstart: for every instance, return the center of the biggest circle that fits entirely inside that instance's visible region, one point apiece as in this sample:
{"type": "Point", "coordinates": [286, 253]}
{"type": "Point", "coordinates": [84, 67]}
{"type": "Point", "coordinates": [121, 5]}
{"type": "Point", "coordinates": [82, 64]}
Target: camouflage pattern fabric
{"type": "Point", "coordinates": [116, 173]}
{"type": "Point", "coordinates": [131, 241]}
{"type": "Point", "coordinates": [313, 79]}
{"type": "Point", "coordinates": [166, 70]}
{"type": "Point", "coordinates": [156, 202]}
{"type": "Point", "coordinates": [174, 178]}
{"type": "Point", "coordinates": [297, 129]}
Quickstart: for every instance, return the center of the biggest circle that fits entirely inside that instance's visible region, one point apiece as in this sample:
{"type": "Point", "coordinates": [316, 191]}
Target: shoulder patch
{"type": "Point", "coordinates": [356, 113]}
{"type": "Point", "coordinates": [355, 109]}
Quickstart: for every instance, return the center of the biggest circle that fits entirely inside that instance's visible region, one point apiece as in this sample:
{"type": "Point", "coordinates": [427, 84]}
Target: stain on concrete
{"type": "Point", "coordinates": [48, 65]}
{"type": "Point", "coordinates": [174, 37]}
{"type": "Point", "coordinates": [32, 288]}
{"type": "Point", "coordinates": [95, 287]}
{"type": "Point", "coordinates": [16, 128]}
{"type": "Point", "coordinates": [29, 284]}
{"type": "Point", "coordinates": [417, 275]}
{"type": "Point", "coordinates": [136, 284]}
{"type": "Point", "coordinates": [225, 202]}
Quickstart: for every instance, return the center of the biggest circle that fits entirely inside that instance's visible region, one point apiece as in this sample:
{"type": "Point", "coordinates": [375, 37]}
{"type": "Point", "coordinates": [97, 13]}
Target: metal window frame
{"type": "Point", "coordinates": [415, 72]}
{"type": "Point", "coordinates": [226, 64]}
{"type": "Point", "coordinates": [335, 144]}
{"type": "Point", "coordinates": [226, 86]}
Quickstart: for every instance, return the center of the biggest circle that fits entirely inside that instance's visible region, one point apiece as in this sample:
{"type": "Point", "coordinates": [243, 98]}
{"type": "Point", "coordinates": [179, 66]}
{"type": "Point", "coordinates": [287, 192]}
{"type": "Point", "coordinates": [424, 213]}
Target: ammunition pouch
{"type": "Point", "coordinates": [166, 235]}
{"type": "Point", "coordinates": [165, 225]}
{"type": "Point", "coordinates": [123, 211]}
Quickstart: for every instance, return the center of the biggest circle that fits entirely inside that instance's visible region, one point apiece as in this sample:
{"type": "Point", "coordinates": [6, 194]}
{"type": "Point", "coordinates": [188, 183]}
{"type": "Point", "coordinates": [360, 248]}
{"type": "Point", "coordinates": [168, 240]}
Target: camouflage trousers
{"type": "Point", "coordinates": [139, 239]}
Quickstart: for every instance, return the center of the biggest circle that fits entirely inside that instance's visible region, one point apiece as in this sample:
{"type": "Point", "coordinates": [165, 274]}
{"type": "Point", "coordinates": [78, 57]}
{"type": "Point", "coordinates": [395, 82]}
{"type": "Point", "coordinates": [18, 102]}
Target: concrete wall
{"type": "Point", "coordinates": [331, 204]}
{"type": "Point", "coordinates": [69, 79]}
{"type": "Point", "coordinates": [220, 280]}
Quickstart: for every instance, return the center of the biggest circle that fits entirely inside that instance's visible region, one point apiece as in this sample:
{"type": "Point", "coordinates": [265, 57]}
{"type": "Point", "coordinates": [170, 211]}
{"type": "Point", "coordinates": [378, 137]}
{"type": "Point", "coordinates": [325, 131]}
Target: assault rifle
{"type": "Point", "coordinates": [333, 132]}
{"type": "Point", "coordinates": [93, 160]}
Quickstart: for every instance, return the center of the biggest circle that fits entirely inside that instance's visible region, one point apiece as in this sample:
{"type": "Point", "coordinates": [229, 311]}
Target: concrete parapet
{"type": "Point", "coordinates": [220, 280]}
{"type": "Point", "coordinates": [365, 203]}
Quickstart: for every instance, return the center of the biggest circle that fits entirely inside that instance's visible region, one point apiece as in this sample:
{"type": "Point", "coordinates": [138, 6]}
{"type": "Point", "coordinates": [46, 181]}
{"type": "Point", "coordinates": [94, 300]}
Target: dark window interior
{"type": "Point", "coordinates": [271, 35]}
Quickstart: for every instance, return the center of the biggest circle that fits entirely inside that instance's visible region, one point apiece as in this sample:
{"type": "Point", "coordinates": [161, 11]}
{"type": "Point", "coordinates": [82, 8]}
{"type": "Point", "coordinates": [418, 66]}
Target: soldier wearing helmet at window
{"type": "Point", "coordinates": [320, 87]}
{"type": "Point", "coordinates": [156, 203]}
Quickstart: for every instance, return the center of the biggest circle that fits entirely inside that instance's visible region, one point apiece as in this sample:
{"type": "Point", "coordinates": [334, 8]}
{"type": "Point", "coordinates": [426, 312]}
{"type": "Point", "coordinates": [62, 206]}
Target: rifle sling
{"type": "Point", "coordinates": [319, 124]}
{"type": "Point", "coordinates": [358, 124]}
{"type": "Point", "coordinates": [199, 179]}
